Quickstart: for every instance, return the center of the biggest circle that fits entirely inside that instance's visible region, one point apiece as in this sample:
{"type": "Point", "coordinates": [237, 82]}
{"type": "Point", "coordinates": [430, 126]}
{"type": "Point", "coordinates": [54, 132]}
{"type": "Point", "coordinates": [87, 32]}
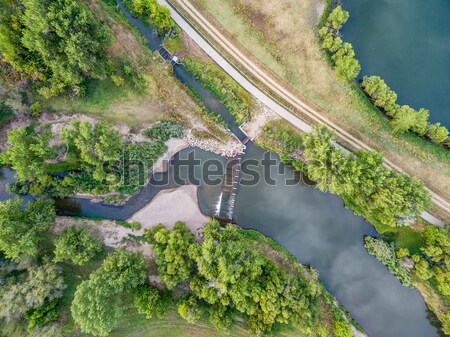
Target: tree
{"type": "Point", "coordinates": [68, 40]}
{"type": "Point", "coordinates": [21, 232]}
{"type": "Point", "coordinates": [337, 18]}
{"type": "Point", "coordinates": [189, 309]}
{"type": "Point", "coordinates": [150, 301]}
{"type": "Point", "coordinates": [378, 91]}
{"type": "Point", "coordinates": [437, 133]}
{"type": "Point", "coordinates": [385, 253]}
{"type": "Point", "coordinates": [41, 284]}
{"type": "Point", "coordinates": [26, 152]}
{"type": "Point", "coordinates": [347, 66]}
{"type": "Point", "coordinates": [404, 119]}
{"type": "Point", "coordinates": [171, 252]}
{"type": "Point", "coordinates": [96, 144]}
{"type": "Point", "coordinates": [159, 15]}
{"type": "Point", "coordinates": [422, 268]}
{"type": "Point", "coordinates": [329, 42]}
{"type": "Point", "coordinates": [77, 246]}
{"type": "Point", "coordinates": [232, 275]}
{"type": "Point", "coordinates": [95, 306]}
{"type": "Point", "coordinates": [421, 123]}
{"type": "Point", "coordinates": [341, 328]}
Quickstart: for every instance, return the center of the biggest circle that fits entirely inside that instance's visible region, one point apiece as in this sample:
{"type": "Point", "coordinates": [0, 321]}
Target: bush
{"type": "Point", "coordinates": [437, 133]}
{"type": "Point", "coordinates": [342, 329]}
{"type": "Point", "coordinates": [164, 131]}
{"type": "Point", "coordinates": [76, 245]}
{"type": "Point", "coordinates": [380, 94]}
{"type": "Point", "coordinates": [385, 253]}
{"type": "Point", "coordinates": [36, 109]}
{"type": "Point", "coordinates": [189, 309]}
{"type": "Point", "coordinates": [150, 301]}
{"type": "Point", "coordinates": [135, 225]}
{"type": "Point", "coordinates": [43, 315]}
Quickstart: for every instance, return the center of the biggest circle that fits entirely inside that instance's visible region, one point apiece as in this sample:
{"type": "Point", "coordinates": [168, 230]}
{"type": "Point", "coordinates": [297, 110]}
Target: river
{"type": "Point", "coordinates": [314, 226]}
{"type": "Point", "coordinates": [407, 43]}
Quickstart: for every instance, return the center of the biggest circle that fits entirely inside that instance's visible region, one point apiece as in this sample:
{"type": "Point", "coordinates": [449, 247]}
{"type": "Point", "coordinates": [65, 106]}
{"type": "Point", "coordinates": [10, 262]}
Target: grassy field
{"type": "Point", "coordinates": [282, 37]}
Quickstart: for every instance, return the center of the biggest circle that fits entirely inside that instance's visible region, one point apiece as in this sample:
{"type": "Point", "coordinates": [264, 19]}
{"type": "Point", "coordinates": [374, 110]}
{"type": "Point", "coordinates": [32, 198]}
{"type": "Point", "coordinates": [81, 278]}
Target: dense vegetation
{"type": "Point", "coordinates": [228, 279]}
{"type": "Point", "coordinates": [57, 43]}
{"type": "Point", "coordinates": [342, 53]}
{"type": "Point", "coordinates": [229, 92]}
{"type": "Point", "coordinates": [403, 118]}
{"type": "Point", "coordinates": [233, 275]}
{"type": "Point", "coordinates": [425, 252]}
{"type": "Point", "coordinates": [156, 15]}
{"type": "Point", "coordinates": [92, 157]}
{"type": "Point", "coordinates": [384, 197]}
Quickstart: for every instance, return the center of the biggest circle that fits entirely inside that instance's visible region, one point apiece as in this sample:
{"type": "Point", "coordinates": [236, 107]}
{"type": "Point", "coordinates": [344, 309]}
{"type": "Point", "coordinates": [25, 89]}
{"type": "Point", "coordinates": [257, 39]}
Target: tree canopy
{"type": "Point", "coordinates": [26, 152]}
{"type": "Point", "coordinates": [21, 232]}
{"type": "Point", "coordinates": [97, 144]}
{"type": "Point", "coordinates": [76, 245]}
{"type": "Point", "coordinates": [171, 252]}
{"type": "Point", "coordinates": [95, 306]}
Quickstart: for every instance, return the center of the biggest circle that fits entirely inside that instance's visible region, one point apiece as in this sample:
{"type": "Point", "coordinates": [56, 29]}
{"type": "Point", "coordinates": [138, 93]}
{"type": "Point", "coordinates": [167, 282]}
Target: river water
{"type": "Point", "coordinates": [407, 43]}
{"type": "Point", "coordinates": [314, 226]}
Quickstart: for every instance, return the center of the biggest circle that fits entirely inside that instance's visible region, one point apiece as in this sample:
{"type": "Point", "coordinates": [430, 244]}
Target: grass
{"type": "Point", "coordinates": [302, 66]}
{"type": "Point", "coordinates": [159, 95]}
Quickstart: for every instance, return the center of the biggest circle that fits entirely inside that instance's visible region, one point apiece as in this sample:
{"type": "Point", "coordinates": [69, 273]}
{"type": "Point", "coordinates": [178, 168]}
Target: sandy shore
{"type": "Point", "coordinates": [170, 206]}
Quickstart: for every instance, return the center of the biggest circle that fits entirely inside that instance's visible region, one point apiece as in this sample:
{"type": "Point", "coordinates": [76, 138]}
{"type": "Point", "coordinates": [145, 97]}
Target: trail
{"type": "Point", "coordinates": [276, 89]}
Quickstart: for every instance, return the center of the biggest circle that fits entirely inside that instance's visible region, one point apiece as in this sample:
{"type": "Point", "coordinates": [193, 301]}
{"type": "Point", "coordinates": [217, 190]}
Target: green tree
{"type": "Point", "coordinates": [342, 329]}
{"type": "Point", "coordinates": [21, 232]}
{"type": "Point", "coordinates": [437, 133]}
{"type": "Point", "coordinates": [95, 308]}
{"type": "Point", "coordinates": [41, 284]}
{"type": "Point", "coordinates": [231, 274]}
{"type": "Point", "coordinates": [421, 123]}
{"type": "Point", "coordinates": [76, 245]}
{"type": "Point", "coordinates": [385, 253]}
{"type": "Point", "coordinates": [347, 66]}
{"type": "Point", "coordinates": [406, 118]}
{"type": "Point", "coordinates": [172, 252]}
{"type": "Point", "coordinates": [69, 41]}
{"type": "Point", "coordinates": [422, 268]}
{"type": "Point", "coordinates": [26, 152]}
{"type": "Point", "coordinates": [329, 42]}
{"type": "Point", "coordinates": [96, 303]}
{"type": "Point", "coordinates": [150, 301]}
{"type": "Point", "coordinates": [337, 18]}
{"type": "Point", "coordinates": [96, 144]}
{"type": "Point", "coordinates": [189, 308]}
{"type": "Point", "coordinates": [378, 91]}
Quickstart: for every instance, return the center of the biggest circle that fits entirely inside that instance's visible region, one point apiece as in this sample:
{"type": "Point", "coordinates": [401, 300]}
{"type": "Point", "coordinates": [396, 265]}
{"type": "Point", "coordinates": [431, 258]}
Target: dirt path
{"type": "Point", "coordinates": [275, 88]}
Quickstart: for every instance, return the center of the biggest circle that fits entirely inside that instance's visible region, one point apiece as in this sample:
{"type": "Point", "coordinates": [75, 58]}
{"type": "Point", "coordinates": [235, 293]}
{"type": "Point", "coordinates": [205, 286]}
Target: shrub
{"type": "Point", "coordinates": [43, 315]}
{"type": "Point", "coordinates": [385, 253]}
{"type": "Point", "coordinates": [437, 133]}
{"type": "Point", "coordinates": [380, 94]}
{"type": "Point", "coordinates": [36, 109]}
{"type": "Point", "coordinates": [76, 245]}
{"type": "Point", "coordinates": [150, 301]}
{"type": "Point", "coordinates": [342, 329]}
{"type": "Point", "coordinates": [164, 131]}
{"type": "Point", "coordinates": [135, 225]}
